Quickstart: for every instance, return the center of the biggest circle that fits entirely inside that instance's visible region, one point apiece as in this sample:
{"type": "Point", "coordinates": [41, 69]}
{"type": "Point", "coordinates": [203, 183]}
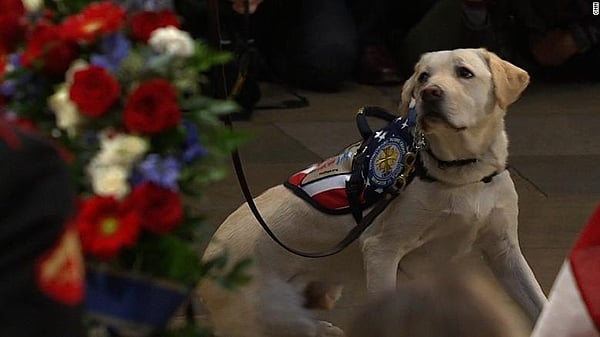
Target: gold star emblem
{"type": "Point", "coordinates": [387, 159]}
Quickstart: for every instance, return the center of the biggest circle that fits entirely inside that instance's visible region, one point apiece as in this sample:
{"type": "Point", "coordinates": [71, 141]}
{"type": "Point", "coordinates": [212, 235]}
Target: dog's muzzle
{"type": "Point", "coordinates": [431, 108]}
{"type": "Point", "coordinates": [431, 104]}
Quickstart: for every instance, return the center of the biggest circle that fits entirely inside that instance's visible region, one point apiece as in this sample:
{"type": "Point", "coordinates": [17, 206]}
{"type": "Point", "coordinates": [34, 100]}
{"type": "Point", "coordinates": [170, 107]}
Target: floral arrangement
{"type": "Point", "coordinates": [119, 86]}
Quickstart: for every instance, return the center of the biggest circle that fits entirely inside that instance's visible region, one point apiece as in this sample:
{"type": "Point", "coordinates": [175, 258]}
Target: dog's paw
{"type": "Point", "coordinates": [321, 295]}
{"type": "Point", "coordinates": [327, 329]}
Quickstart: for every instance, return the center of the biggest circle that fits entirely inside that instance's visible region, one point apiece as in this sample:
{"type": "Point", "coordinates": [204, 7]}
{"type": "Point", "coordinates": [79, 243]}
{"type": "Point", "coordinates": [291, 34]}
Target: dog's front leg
{"type": "Point", "coordinates": [500, 245]}
{"type": "Point", "coordinates": [381, 265]}
{"type": "Point", "coordinates": [381, 257]}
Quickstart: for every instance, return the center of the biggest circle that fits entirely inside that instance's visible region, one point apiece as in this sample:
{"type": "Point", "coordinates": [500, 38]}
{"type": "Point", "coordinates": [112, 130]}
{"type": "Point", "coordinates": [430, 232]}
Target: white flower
{"type": "Point", "coordinates": [109, 170]}
{"type": "Point", "coordinates": [68, 117]}
{"type": "Point", "coordinates": [120, 149]}
{"type": "Point", "coordinates": [173, 41]}
{"type": "Point", "coordinates": [33, 5]}
{"type": "Point", "coordinates": [8, 67]}
{"type": "Point", "coordinates": [109, 180]}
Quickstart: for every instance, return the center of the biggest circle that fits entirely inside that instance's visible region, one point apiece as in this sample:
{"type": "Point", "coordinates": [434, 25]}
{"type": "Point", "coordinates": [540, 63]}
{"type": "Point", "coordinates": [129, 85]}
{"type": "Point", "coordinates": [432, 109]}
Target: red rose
{"type": "Point", "coordinates": [95, 19]}
{"type": "Point", "coordinates": [12, 7]}
{"type": "Point", "coordinates": [45, 47]}
{"type": "Point", "coordinates": [94, 90]}
{"type": "Point", "coordinates": [12, 29]}
{"type": "Point", "coordinates": [106, 226]}
{"type": "Point", "coordinates": [160, 208]}
{"type": "Point", "coordinates": [145, 22]}
{"type": "Point", "coordinates": [152, 108]}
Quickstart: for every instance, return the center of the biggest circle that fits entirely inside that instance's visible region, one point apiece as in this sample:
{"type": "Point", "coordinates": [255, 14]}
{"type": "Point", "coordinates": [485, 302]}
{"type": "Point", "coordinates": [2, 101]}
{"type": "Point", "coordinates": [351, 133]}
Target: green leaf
{"type": "Point", "coordinates": [219, 262]}
{"type": "Point", "coordinates": [232, 279]}
{"type": "Point", "coordinates": [160, 62]}
{"type": "Point", "coordinates": [204, 104]}
{"type": "Point", "coordinates": [222, 107]}
{"type": "Point", "coordinates": [205, 57]}
{"type": "Point", "coordinates": [230, 139]}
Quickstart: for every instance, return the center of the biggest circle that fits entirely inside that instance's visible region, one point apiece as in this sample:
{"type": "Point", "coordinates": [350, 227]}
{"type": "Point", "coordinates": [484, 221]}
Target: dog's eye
{"type": "Point", "coordinates": [464, 72]}
{"type": "Point", "coordinates": [423, 77]}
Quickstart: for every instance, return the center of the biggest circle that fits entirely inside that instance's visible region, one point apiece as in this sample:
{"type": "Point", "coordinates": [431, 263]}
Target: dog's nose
{"type": "Point", "coordinates": [432, 93]}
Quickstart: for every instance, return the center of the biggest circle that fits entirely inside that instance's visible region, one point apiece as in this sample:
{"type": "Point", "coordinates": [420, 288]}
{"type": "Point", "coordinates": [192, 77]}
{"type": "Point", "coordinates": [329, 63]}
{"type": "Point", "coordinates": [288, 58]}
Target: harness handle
{"type": "Point", "coordinates": [371, 111]}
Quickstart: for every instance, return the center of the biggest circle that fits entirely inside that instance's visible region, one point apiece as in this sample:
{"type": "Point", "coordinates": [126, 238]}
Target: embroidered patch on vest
{"type": "Point", "coordinates": [377, 161]}
{"type": "Point", "coordinates": [386, 164]}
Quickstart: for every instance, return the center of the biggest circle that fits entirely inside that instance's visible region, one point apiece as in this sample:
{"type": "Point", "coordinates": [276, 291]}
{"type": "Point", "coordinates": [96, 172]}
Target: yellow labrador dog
{"type": "Point", "coordinates": [465, 203]}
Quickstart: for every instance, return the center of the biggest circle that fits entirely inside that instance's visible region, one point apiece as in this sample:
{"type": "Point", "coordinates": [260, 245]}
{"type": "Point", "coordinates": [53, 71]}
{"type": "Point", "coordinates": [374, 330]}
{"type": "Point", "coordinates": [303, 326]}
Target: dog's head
{"type": "Point", "coordinates": [457, 89]}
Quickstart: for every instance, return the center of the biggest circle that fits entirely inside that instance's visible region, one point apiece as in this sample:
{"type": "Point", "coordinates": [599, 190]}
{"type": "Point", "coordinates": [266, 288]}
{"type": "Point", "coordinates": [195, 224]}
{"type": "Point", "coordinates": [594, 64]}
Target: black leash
{"type": "Point", "coordinates": [343, 244]}
{"type": "Point", "coordinates": [363, 222]}
{"type": "Point", "coordinates": [352, 235]}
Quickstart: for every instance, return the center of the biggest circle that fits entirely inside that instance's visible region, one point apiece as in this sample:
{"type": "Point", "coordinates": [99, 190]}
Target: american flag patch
{"type": "Point", "coordinates": [323, 185]}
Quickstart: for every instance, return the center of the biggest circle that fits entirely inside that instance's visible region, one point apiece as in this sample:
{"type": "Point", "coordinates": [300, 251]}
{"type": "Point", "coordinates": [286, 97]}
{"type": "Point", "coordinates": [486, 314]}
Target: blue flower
{"type": "Point", "coordinates": [115, 48]}
{"type": "Point", "coordinates": [7, 88]}
{"type": "Point", "coordinates": [193, 148]}
{"type": "Point", "coordinates": [15, 60]}
{"type": "Point", "coordinates": [27, 87]}
{"type": "Point", "coordinates": [161, 171]}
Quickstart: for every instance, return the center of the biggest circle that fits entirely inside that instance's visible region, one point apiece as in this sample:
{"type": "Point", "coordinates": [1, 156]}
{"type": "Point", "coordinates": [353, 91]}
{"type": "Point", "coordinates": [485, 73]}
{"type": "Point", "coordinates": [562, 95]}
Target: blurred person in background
{"type": "Point", "coordinates": [551, 39]}
{"type": "Point", "coordinates": [41, 266]}
{"type": "Point", "coordinates": [314, 44]}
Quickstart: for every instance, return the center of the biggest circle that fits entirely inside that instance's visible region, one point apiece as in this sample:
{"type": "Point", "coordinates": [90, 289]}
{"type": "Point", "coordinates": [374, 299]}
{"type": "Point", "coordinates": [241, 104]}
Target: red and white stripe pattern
{"type": "Point", "coordinates": [329, 192]}
{"type": "Point", "coordinates": [574, 303]}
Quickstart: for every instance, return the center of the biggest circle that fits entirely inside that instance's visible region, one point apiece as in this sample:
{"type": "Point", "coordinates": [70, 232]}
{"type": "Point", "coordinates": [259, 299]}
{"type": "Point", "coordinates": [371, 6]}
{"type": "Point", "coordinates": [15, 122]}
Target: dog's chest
{"type": "Point", "coordinates": [455, 211]}
{"type": "Point", "coordinates": [466, 205]}
{"type": "Point", "coordinates": [448, 222]}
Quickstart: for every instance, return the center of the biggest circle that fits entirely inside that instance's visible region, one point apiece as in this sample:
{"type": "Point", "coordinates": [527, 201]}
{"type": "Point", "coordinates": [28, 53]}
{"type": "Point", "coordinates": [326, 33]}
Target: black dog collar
{"type": "Point", "coordinates": [423, 174]}
{"type": "Point", "coordinates": [444, 164]}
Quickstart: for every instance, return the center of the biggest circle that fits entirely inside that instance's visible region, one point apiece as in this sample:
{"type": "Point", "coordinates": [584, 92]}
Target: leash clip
{"type": "Point", "coordinates": [410, 159]}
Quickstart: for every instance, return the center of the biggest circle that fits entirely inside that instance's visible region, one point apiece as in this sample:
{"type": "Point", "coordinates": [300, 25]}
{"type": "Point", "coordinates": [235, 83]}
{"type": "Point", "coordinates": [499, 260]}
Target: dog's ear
{"type": "Point", "coordinates": [407, 94]}
{"type": "Point", "coordinates": [509, 80]}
